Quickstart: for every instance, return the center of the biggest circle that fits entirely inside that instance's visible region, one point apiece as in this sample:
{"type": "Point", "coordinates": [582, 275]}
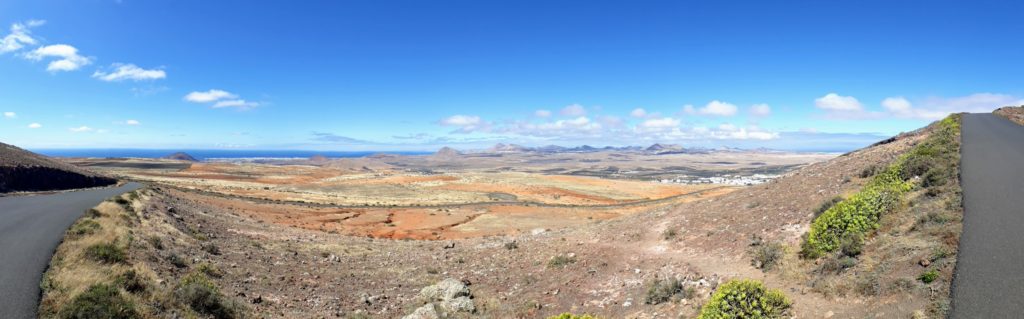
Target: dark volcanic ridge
{"type": "Point", "coordinates": [24, 171]}
{"type": "Point", "coordinates": [180, 156]}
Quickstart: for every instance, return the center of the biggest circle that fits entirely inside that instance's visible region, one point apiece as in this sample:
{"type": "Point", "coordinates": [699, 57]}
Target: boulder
{"type": "Point", "coordinates": [425, 312]}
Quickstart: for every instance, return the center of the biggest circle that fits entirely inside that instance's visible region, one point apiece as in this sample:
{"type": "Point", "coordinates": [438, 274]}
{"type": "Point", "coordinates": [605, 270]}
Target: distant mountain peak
{"type": "Point", "coordinates": [447, 152]}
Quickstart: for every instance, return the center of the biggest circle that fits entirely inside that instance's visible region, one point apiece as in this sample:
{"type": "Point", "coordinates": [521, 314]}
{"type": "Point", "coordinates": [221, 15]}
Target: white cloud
{"type": "Point", "coordinates": [638, 113]}
{"type": "Point", "coordinates": [132, 122]}
{"type": "Point", "coordinates": [836, 102]}
{"type": "Point", "coordinates": [714, 108]}
{"type": "Point", "coordinates": [934, 108]}
{"type": "Point", "coordinates": [659, 124]}
{"type": "Point", "coordinates": [574, 110]}
{"type": "Point", "coordinates": [542, 113]}
{"type": "Point", "coordinates": [10, 115]}
{"type": "Point", "coordinates": [130, 72]}
{"type": "Point", "coordinates": [209, 96]}
{"type": "Point", "coordinates": [896, 104]}
{"type": "Point", "coordinates": [66, 57]}
{"type": "Point", "coordinates": [242, 104]}
{"type": "Point", "coordinates": [465, 123]}
{"type": "Point", "coordinates": [35, 125]}
{"type": "Point", "coordinates": [81, 129]}
{"type": "Point", "coordinates": [760, 110]}
{"type": "Point", "coordinates": [460, 120]}
{"type": "Point", "coordinates": [19, 37]}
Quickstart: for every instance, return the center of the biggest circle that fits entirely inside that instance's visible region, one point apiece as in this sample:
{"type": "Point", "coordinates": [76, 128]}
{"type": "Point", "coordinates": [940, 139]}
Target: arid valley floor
{"type": "Point", "coordinates": [498, 235]}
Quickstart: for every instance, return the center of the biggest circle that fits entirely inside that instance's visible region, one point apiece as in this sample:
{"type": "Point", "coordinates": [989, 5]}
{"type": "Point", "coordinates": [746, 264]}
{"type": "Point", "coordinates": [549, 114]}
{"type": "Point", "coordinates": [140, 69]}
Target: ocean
{"type": "Point", "coordinates": [208, 154]}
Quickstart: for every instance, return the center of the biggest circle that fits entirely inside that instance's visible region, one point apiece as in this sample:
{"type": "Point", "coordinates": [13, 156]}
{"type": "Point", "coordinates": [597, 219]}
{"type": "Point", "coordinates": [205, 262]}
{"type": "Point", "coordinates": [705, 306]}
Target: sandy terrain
{"type": "Point", "coordinates": [472, 196]}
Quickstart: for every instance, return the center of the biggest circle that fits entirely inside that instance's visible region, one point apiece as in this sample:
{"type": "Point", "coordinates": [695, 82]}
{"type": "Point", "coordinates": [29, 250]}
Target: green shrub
{"type": "Point", "coordinates": [869, 171]}
{"type": "Point", "coordinates": [745, 299]}
{"type": "Point", "coordinates": [572, 316]}
{"type": "Point", "coordinates": [936, 158]}
{"type": "Point", "coordinates": [201, 295]}
{"type": "Point", "coordinates": [93, 213]}
{"type": "Point", "coordinates": [177, 261]}
{"type": "Point", "coordinates": [211, 248]}
{"type": "Point", "coordinates": [662, 291]}
{"type": "Point", "coordinates": [210, 270]}
{"type": "Point", "coordinates": [100, 301]}
{"type": "Point", "coordinates": [857, 215]}
{"type": "Point", "coordinates": [512, 245]}
{"type": "Point", "coordinates": [851, 244]}
{"type": "Point", "coordinates": [84, 227]}
{"type": "Point", "coordinates": [561, 261]}
{"type": "Point", "coordinates": [131, 281]}
{"type": "Point", "coordinates": [928, 276]}
{"type": "Point", "coordinates": [670, 234]}
{"type": "Point", "coordinates": [106, 253]}
{"type": "Point", "coordinates": [156, 242]}
{"type": "Point", "coordinates": [766, 256]}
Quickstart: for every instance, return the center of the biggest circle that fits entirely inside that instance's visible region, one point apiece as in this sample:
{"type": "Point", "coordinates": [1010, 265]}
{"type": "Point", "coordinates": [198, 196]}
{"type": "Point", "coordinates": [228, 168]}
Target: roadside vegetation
{"type": "Point", "coordinates": [745, 299]}
{"type": "Point", "coordinates": [899, 233]}
{"type": "Point", "coordinates": [100, 270]}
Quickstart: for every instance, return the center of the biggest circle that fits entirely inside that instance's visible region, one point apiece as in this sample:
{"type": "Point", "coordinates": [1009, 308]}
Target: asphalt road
{"type": "Point", "coordinates": [989, 280]}
{"type": "Point", "coordinates": [31, 227]}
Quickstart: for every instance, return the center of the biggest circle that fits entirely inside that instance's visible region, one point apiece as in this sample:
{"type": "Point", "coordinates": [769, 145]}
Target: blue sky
{"type": "Point", "coordinates": [416, 75]}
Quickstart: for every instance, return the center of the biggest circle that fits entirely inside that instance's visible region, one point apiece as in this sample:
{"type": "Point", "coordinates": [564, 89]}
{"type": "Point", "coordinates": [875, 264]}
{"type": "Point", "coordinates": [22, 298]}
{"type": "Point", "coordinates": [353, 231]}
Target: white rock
{"type": "Point", "coordinates": [425, 312]}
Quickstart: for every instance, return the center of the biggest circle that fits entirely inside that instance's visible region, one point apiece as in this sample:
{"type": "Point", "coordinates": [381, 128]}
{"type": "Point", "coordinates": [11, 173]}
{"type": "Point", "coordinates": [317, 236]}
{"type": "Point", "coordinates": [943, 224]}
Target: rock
{"type": "Point", "coordinates": [924, 262]}
{"type": "Point", "coordinates": [425, 312]}
{"type": "Point", "coordinates": [449, 295]}
{"type": "Point", "coordinates": [445, 290]}
{"type": "Point", "coordinates": [460, 304]}
{"type": "Point", "coordinates": [829, 314]}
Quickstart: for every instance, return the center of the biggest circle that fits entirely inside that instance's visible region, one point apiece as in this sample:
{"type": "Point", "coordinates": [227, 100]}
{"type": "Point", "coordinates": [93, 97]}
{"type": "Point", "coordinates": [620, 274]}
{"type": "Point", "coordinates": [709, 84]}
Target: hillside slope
{"type": "Point", "coordinates": [21, 170]}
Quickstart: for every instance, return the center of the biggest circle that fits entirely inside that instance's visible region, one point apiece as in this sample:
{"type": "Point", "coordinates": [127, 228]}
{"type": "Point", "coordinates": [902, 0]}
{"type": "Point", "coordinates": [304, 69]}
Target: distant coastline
{"type": "Point", "coordinates": [203, 155]}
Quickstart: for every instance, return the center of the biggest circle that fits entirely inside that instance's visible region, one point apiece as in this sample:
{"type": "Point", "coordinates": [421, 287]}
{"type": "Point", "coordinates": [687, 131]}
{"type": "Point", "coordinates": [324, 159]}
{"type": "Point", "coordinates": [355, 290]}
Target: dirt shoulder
{"type": "Point", "coordinates": [1013, 113]}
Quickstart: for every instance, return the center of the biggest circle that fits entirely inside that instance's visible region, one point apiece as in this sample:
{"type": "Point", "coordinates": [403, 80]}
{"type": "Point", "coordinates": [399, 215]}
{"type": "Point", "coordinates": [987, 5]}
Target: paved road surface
{"type": "Point", "coordinates": [30, 229]}
{"type": "Point", "coordinates": [989, 281]}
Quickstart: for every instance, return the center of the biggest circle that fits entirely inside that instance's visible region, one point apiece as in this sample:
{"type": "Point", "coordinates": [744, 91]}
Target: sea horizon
{"type": "Point", "coordinates": [206, 154]}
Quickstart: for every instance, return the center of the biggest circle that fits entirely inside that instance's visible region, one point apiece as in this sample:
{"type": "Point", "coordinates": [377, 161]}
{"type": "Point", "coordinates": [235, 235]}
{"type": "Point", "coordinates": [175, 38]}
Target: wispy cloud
{"type": "Point", "coordinates": [243, 104]}
{"type": "Point", "coordinates": [10, 115]}
{"type": "Point", "coordinates": [574, 110]}
{"type": "Point", "coordinates": [132, 122]}
{"type": "Point", "coordinates": [209, 96]}
{"type": "Point", "coordinates": [81, 129]}
{"type": "Point", "coordinates": [65, 57]}
{"type": "Point", "coordinates": [35, 125]}
{"type": "Point", "coordinates": [542, 113]}
{"type": "Point", "coordinates": [20, 36]}
{"type": "Point", "coordinates": [638, 113]}
{"type": "Point", "coordinates": [337, 139]}
{"type": "Point", "coordinates": [220, 99]}
{"type": "Point", "coordinates": [132, 72]}
{"type": "Point", "coordinates": [465, 123]}
{"type": "Point", "coordinates": [760, 110]}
